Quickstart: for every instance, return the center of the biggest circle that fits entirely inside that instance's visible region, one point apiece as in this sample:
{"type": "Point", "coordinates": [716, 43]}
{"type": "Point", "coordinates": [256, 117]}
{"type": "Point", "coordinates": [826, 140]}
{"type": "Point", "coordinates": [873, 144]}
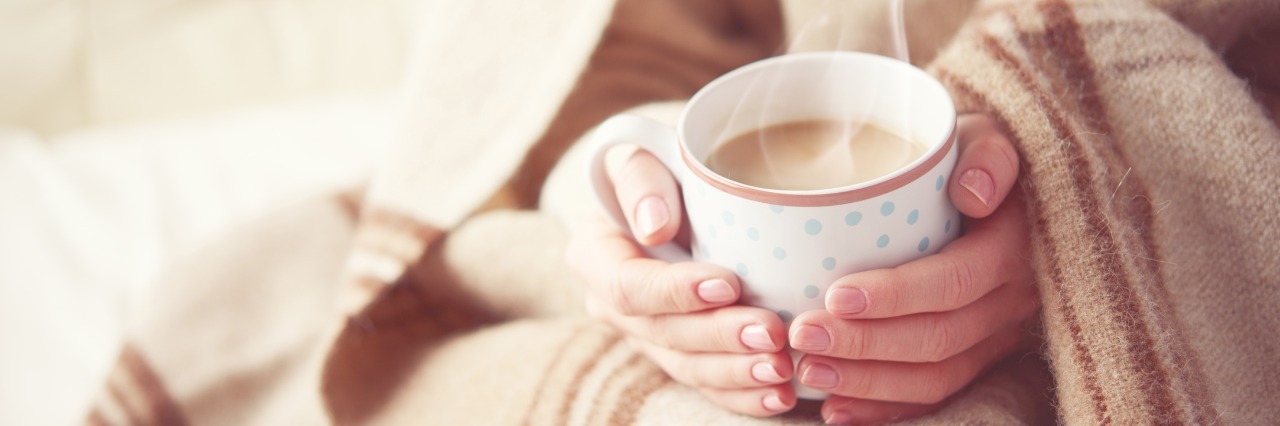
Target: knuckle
{"type": "Point", "coordinates": [725, 336]}
{"type": "Point", "coordinates": [858, 385]}
{"type": "Point", "coordinates": [861, 343]}
{"type": "Point", "coordinates": [620, 300]}
{"type": "Point", "coordinates": [676, 295]}
{"type": "Point", "coordinates": [633, 174]}
{"type": "Point", "coordinates": [890, 294]}
{"type": "Point", "coordinates": [658, 333]}
{"type": "Point", "coordinates": [941, 341]}
{"type": "Point", "coordinates": [720, 340]}
{"type": "Point", "coordinates": [959, 285]}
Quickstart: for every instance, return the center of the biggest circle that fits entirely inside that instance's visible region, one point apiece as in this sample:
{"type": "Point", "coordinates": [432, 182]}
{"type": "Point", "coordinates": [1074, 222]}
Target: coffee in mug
{"type": "Point", "coordinates": [788, 245]}
{"type": "Point", "coordinates": [813, 154]}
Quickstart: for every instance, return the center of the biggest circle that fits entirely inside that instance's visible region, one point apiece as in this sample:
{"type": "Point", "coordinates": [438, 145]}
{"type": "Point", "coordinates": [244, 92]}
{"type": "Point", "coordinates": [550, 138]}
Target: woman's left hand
{"type": "Point", "coordinates": [895, 343]}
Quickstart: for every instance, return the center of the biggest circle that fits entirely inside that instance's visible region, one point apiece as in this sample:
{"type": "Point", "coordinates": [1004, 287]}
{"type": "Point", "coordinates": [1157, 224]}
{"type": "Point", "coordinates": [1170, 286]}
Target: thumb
{"type": "Point", "coordinates": [649, 197]}
{"type": "Point", "coordinates": [986, 170]}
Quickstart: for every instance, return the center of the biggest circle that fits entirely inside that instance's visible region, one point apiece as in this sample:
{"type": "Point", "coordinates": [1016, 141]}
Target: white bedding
{"type": "Point", "coordinates": [88, 218]}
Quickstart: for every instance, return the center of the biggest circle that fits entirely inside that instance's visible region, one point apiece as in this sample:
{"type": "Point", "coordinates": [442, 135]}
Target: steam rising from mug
{"type": "Point", "coordinates": [837, 157]}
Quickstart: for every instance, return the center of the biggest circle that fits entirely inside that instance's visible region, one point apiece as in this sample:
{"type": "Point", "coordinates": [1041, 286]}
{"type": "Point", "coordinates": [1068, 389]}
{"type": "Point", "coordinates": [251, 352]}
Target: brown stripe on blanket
{"type": "Point", "coordinates": [1133, 66]}
{"type": "Point", "coordinates": [1064, 37]}
{"type": "Point", "coordinates": [581, 353]}
{"type": "Point", "coordinates": [134, 391]}
{"type": "Point", "coordinates": [1081, 355]}
{"type": "Point", "coordinates": [1080, 352]}
{"type": "Point", "coordinates": [370, 283]}
{"type": "Point", "coordinates": [624, 390]}
{"type": "Point", "coordinates": [96, 418]}
{"type": "Point", "coordinates": [556, 359]}
{"type": "Point", "coordinates": [1183, 358]}
{"type": "Point", "coordinates": [634, 397]}
{"type": "Point", "coordinates": [350, 203]}
{"type": "Point", "coordinates": [579, 379]}
{"type": "Point", "coordinates": [1067, 44]}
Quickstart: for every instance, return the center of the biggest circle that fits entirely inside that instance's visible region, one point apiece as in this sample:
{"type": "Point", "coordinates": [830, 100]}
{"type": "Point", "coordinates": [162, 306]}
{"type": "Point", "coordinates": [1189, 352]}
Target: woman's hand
{"type": "Point", "coordinates": [892, 343]}
{"type": "Point", "coordinates": [895, 343]}
{"type": "Point", "coordinates": [682, 316]}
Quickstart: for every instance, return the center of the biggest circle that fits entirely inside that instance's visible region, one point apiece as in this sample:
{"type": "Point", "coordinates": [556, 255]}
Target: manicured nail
{"type": "Point", "coordinates": [716, 291]}
{"type": "Point", "coordinates": [846, 301]}
{"type": "Point", "coordinates": [820, 376]}
{"type": "Point", "coordinates": [837, 417]}
{"type": "Point", "coordinates": [756, 337]}
{"type": "Point", "coordinates": [771, 402]}
{"type": "Point", "coordinates": [765, 373]}
{"type": "Point", "coordinates": [651, 215]}
{"type": "Point", "coordinates": [980, 184]}
{"type": "Point", "coordinates": [810, 338]}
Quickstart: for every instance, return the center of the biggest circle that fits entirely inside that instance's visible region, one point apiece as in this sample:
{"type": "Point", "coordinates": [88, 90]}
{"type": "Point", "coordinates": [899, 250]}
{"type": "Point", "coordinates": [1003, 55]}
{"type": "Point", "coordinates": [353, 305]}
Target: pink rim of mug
{"type": "Point", "coordinates": [845, 195]}
{"type": "Point", "coordinates": [826, 197]}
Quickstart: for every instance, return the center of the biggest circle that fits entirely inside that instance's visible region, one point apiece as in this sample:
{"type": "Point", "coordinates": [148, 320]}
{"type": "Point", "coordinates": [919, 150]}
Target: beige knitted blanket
{"type": "Point", "coordinates": [1151, 163]}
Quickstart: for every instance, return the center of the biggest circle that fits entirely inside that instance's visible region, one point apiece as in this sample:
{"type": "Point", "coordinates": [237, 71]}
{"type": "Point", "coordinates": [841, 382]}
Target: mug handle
{"type": "Point", "coordinates": [649, 135]}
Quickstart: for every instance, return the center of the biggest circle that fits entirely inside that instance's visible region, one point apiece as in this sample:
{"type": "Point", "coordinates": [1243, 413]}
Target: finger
{"type": "Point", "coordinates": [734, 329]}
{"type": "Point", "coordinates": [917, 383]}
{"type": "Point", "coordinates": [986, 170]}
{"type": "Point", "coordinates": [617, 274]}
{"type": "Point", "coordinates": [759, 402]}
{"type": "Point", "coordinates": [839, 410]}
{"type": "Point", "coordinates": [649, 198]}
{"type": "Point", "coordinates": [990, 254]}
{"type": "Point", "coordinates": [719, 370]}
{"type": "Point", "coordinates": [928, 337]}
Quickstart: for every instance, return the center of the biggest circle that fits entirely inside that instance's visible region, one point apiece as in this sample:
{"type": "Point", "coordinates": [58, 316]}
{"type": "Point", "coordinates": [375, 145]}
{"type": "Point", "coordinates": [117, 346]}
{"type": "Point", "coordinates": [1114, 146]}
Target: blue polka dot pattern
{"type": "Point", "coordinates": [775, 209]}
{"type": "Point", "coordinates": [883, 241]}
{"type": "Point", "coordinates": [938, 185]}
{"type": "Point", "coordinates": [711, 230]}
{"type": "Point", "coordinates": [779, 253]}
{"type": "Point", "coordinates": [728, 218]}
{"type": "Point", "coordinates": [742, 270]}
{"type": "Point", "coordinates": [913, 217]}
{"type": "Point", "coordinates": [852, 218]}
{"type": "Point", "coordinates": [706, 252]}
{"type": "Point", "coordinates": [886, 208]}
{"type": "Point", "coordinates": [753, 234]}
{"type": "Point", "coordinates": [812, 227]}
{"type": "Point", "coordinates": [829, 263]}
{"type": "Point", "coordinates": [786, 316]}
{"type": "Point", "coordinates": [924, 245]}
{"type": "Point", "coordinates": [811, 291]}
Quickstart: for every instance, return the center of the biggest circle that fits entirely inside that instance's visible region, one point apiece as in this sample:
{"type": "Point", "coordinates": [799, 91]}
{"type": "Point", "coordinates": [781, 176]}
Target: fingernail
{"type": "Point", "coordinates": [771, 402]}
{"type": "Point", "coordinates": [765, 373]}
{"type": "Point", "coordinates": [979, 183]}
{"type": "Point", "coordinates": [810, 338]}
{"type": "Point", "coordinates": [820, 376]}
{"type": "Point", "coordinates": [837, 417]}
{"type": "Point", "coordinates": [756, 337]}
{"type": "Point", "coordinates": [846, 301]}
{"type": "Point", "coordinates": [651, 215]}
{"type": "Point", "coordinates": [716, 291]}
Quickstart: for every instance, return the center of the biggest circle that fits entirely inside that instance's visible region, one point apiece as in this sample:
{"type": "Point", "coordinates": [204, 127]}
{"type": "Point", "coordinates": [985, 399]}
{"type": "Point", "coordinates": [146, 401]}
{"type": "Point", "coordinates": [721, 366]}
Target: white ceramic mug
{"type": "Point", "coordinates": [787, 247]}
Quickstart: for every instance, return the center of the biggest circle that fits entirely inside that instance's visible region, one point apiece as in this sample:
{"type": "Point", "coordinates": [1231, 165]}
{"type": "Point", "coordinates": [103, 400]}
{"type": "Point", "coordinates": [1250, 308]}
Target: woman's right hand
{"type": "Point", "coordinates": [683, 316]}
